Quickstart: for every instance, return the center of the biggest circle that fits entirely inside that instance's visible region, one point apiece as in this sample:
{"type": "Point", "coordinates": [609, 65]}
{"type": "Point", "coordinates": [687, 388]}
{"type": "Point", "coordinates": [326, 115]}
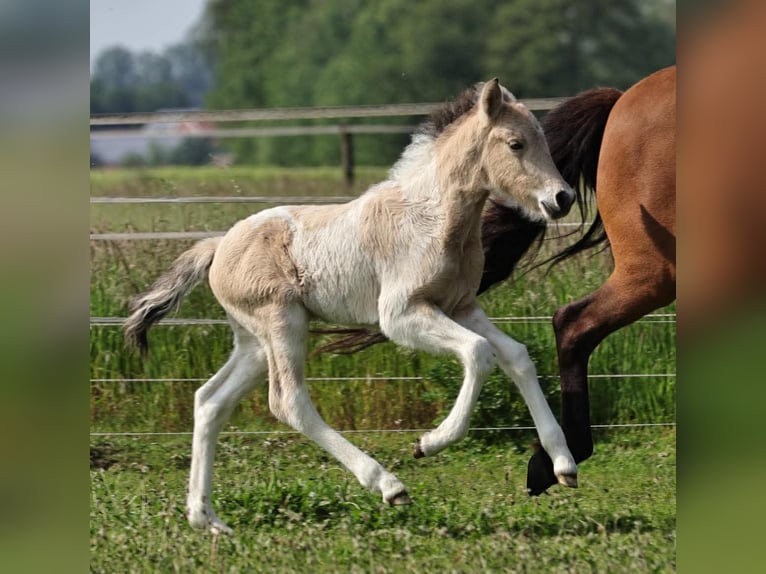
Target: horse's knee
{"type": "Point", "coordinates": [212, 413]}
{"type": "Point", "coordinates": [560, 319]}
{"type": "Point", "coordinates": [565, 319]}
{"type": "Point", "coordinates": [291, 405]}
{"type": "Point", "coordinates": [482, 355]}
{"type": "Point", "coordinates": [517, 359]}
{"type": "Point", "coordinates": [398, 328]}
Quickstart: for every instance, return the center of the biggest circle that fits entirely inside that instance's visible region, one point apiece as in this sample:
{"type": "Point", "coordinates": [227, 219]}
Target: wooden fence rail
{"type": "Point", "coordinates": [271, 114]}
{"type": "Point", "coordinates": [345, 132]}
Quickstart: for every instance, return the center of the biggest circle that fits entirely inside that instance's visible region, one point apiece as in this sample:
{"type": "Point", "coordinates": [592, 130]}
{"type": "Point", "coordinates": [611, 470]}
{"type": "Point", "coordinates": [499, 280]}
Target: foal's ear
{"type": "Point", "coordinates": [491, 99]}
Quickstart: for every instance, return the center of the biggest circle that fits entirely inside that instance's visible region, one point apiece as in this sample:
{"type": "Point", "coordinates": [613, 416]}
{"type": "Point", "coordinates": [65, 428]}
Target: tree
{"type": "Point", "coordinates": [115, 68]}
{"type": "Point", "coordinates": [191, 69]}
{"type": "Point", "coordinates": [124, 82]}
{"type": "Point", "coordinates": [560, 47]}
{"type": "Point", "coordinates": [341, 52]}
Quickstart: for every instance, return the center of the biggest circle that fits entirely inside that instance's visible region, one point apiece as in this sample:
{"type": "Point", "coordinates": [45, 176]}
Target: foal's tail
{"type": "Point", "coordinates": [574, 131]}
{"type": "Point", "coordinates": [189, 269]}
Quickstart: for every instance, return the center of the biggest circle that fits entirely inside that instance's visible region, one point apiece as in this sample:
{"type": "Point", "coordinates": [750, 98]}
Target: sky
{"type": "Point", "coordinates": [141, 25]}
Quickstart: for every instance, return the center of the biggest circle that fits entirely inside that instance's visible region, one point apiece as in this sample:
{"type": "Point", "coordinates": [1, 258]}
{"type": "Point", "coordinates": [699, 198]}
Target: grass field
{"type": "Point", "coordinates": [296, 510]}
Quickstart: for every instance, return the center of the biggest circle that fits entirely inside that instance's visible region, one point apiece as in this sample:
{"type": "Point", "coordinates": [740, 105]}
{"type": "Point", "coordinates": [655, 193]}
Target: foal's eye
{"type": "Point", "coordinates": [516, 145]}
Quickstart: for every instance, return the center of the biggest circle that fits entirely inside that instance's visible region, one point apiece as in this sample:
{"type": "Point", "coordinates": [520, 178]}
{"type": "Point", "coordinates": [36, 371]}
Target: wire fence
{"type": "Point", "coordinates": [192, 200]}
{"type": "Point", "coordinates": [657, 318]}
{"type": "Point", "coordinates": [178, 235]}
{"type": "Point", "coordinates": [365, 378]}
{"type": "Point", "coordinates": [660, 318]}
{"type": "Point", "coordinates": [147, 434]}
{"type": "Point", "coordinates": [400, 110]}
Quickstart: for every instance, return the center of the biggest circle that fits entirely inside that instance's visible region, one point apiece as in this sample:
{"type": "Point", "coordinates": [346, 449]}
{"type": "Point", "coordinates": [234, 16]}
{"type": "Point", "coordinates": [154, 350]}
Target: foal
{"type": "Point", "coordinates": [406, 255]}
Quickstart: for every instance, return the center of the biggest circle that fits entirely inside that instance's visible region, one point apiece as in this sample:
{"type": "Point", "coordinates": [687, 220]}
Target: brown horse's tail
{"type": "Point", "coordinates": [168, 291]}
{"type": "Point", "coordinates": [574, 131]}
{"type": "Point", "coordinates": [355, 340]}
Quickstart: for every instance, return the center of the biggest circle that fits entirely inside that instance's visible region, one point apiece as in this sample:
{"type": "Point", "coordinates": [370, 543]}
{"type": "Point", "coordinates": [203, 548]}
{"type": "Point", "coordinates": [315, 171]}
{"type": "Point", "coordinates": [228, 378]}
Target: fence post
{"type": "Point", "coordinates": [347, 155]}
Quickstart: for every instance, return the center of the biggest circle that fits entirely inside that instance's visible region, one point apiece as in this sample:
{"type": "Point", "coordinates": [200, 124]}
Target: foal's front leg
{"type": "Point", "coordinates": [514, 359]}
{"type": "Point", "coordinates": [427, 328]}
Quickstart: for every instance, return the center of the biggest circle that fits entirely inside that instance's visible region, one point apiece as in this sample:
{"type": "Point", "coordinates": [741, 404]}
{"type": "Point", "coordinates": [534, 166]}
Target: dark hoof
{"type": "Point", "coordinates": [401, 499]}
{"type": "Point", "coordinates": [418, 451]}
{"type": "Point", "coordinates": [540, 475]}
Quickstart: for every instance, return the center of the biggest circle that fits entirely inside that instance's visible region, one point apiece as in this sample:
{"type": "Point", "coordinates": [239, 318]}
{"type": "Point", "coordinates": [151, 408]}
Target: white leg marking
{"type": "Point", "coordinates": [213, 404]}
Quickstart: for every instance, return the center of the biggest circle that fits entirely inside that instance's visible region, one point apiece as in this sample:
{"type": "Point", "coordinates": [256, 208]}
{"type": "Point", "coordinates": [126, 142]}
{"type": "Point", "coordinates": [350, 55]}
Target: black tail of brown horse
{"type": "Point", "coordinates": [574, 131]}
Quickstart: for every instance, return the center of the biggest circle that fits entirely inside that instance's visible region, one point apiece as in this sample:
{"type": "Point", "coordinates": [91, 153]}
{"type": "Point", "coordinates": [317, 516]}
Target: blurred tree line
{"type": "Point", "coordinates": [123, 81]}
{"type": "Point", "coordinates": [272, 53]}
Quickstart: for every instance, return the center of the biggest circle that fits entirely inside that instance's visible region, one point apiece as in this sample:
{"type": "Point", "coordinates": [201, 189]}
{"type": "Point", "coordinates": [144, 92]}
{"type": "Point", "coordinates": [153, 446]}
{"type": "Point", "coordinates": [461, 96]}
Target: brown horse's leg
{"type": "Point", "coordinates": [580, 327]}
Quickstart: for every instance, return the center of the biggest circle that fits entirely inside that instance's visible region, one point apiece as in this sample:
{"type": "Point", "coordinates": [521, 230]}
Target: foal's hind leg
{"type": "Point", "coordinates": [284, 331]}
{"type": "Point", "coordinates": [213, 404]}
{"type": "Point", "coordinates": [626, 296]}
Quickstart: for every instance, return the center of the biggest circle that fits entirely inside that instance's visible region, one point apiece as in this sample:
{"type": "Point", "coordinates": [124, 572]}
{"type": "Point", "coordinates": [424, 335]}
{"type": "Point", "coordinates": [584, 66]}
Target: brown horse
{"type": "Point", "coordinates": [622, 145]}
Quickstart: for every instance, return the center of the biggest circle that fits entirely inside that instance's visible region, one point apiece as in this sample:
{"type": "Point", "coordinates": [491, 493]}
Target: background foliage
{"type": "Point", "coordinates": [343, 52]}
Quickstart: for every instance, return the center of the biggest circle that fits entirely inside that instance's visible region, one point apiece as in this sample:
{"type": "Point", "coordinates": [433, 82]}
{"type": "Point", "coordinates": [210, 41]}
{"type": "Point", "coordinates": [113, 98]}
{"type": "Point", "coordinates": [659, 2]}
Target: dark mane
{"type": "Point", "coordinates": [448, 112]}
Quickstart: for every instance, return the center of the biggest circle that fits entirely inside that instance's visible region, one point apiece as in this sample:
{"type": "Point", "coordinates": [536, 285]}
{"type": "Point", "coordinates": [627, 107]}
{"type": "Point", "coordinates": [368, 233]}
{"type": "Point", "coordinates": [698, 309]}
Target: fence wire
{"type": "Point", "coordinates": [371, 379]}
{"type": "Point", "coordinates": [659, 318]}
{"type": "Point", "coordinates": [142, 434]}
{"type": "Point", "coordinates": [299, 113]}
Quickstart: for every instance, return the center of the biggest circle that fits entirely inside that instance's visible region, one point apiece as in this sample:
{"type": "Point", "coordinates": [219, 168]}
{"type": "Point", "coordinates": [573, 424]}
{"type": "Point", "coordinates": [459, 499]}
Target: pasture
{"type": "Point", "coordinates": [292, 507]}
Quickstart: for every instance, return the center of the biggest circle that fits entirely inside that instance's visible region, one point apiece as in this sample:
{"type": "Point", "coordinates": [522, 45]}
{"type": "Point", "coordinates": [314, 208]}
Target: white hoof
{"type": "Point", "coordinates": [565, 470]}
{"type": "Point", "coordinates": [393, 490]}
{"type": "Point", "coordinates": [217, 527]}
{"type": "Point", "coordinates": [204, 518]}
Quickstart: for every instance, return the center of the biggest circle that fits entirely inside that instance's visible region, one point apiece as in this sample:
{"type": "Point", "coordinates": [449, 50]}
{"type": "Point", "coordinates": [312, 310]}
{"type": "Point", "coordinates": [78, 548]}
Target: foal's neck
{"type": "Point", "coordinates": [447, 180]}
{"type": "Point", "coordinates": [462, 215]}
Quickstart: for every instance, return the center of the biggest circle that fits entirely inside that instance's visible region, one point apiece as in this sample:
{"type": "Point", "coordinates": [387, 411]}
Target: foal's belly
{"type": "Point", "coordinates": [344, 294]}
{"type": "Point", "coordinates": [343, 308]}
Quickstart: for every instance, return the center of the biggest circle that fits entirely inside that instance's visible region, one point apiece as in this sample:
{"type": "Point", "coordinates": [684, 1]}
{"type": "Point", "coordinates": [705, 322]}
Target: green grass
{"type": "Point", "coordinates": [294, 509]}
{"type": "Point", "coordinates": [120, 270]}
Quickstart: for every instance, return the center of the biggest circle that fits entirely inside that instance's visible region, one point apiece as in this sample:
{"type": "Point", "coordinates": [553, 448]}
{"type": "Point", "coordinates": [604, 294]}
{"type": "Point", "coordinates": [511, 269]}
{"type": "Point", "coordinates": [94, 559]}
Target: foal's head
{"type": "Point", "coordinates": [494, 143]}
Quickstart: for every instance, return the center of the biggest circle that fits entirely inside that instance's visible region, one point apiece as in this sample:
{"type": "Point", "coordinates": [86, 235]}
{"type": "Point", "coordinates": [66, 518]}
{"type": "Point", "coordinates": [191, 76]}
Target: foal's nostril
{"type": "Point", "coordinates": [564, 200]}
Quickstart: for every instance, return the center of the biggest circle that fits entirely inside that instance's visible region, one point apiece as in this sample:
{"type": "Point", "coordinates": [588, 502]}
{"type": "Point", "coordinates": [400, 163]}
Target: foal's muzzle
{"type": "Point", "coordinates": [561, 204]}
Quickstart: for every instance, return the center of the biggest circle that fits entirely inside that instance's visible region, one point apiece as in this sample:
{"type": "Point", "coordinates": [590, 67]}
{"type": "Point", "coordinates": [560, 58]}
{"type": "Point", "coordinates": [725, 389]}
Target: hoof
{"type": "Point", "coordinates": [418, 451]}
{"type": "Point", "coordinates": [220, 528]}
{"type": "Point", "coordinates": [568, 480]}
{"type": "Point", "coordinates": [401, 499]}
{"type": "Point", "coordinates": [206, 519]}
